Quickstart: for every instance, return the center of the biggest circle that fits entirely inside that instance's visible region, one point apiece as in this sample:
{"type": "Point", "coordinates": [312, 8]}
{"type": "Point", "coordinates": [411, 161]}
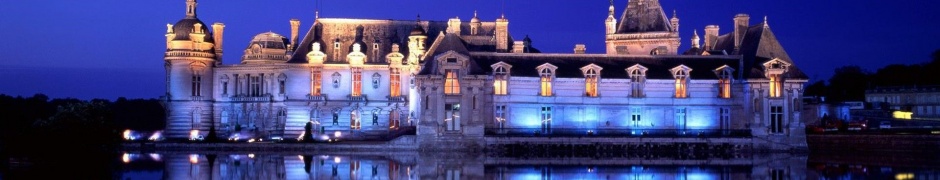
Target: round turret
{"type": "Point", "coordinates": [267, 47]}
{"type": "Point", "coordinates": [185, 26]}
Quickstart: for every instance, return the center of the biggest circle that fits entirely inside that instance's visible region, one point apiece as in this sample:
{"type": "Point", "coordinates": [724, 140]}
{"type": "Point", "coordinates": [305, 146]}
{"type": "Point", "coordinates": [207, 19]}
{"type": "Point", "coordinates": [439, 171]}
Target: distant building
{"type": "Point", "coordinates": [460, 81]}
{"type": "Point", "coordinates": [923, 102]}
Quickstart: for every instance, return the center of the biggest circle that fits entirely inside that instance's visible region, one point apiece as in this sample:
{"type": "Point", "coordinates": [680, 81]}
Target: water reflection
{"type": "Point", "coordinates": [414, 166]}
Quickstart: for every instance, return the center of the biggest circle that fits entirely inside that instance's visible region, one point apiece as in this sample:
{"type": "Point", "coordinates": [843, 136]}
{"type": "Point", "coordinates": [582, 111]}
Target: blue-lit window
{"type": "Point", "coordinates": [776, 119]}
{"type": "Point", "coordinates": [681, 118]}
{"type": "Point", "coordinates": [501, 116]}
{"type": "Point", "coordinates": [635, 117]}
{"type": "Point", "coordinates": [546, 118]}
{"type": "Point", "coordinates": [452, 117]}
{"type": "Point", "coordinates": [725, 118]}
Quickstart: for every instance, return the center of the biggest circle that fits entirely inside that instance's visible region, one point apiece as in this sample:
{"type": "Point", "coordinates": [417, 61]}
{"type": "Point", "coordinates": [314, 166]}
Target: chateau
{"type": "Point", "coordinates": [470, 83]}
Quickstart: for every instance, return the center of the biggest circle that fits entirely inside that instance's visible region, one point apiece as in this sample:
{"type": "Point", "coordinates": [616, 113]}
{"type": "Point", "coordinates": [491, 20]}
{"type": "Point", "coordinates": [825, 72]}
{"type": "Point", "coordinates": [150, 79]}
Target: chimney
{"type": "Point", "coordinates": [217, 30]}
{"type": "Point", "coordinates": [294, 28]}
{"type": "Point", "coordinates": [518, 47]}
{"type": "Point", "coordinates": [711, 37]}
{"type": "Point", "coordinates": [502, 34]}
{"type": "Point", "coordinates": [579, 48]}
{"type": "Point", "coordinates": [740, 28]}
{"type": "Point", "coordinates": [453, 26]}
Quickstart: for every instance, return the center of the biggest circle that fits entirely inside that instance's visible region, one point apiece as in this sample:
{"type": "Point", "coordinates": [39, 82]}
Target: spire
{"type": "Point", "coordinates": [695, 39]}
{"type": "Point", "coordinates": [190, 8]}
{"type": "Point", "coordinates": [765, 22]}
{"type": "Point", "coordinates": [610, 11]}
{"type": "Point", "coordinates": [316, 14]}
{"type": "Point", "coordinates": [643, 16]}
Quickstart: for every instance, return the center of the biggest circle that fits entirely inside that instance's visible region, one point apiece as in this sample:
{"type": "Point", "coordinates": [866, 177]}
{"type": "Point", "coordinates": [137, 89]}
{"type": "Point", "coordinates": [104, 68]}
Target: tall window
{"type": "Point", "coordinates": [282, 86]}
{"type": "Point", "coordinates": [316, 82]}
{"type": "Point", "coordinates": [452, 117]}
{"type": "Point", "coordinates": [776, 85]}
{"type": "Point", "coordinates": [395, 82]}
{"type": "Point", "coordinates": [546, 117]}
{"type": "Point", "coordinates": [681, 119]}
{"type": "Point", "coordinates": [451, 82]}
{"type": "Point", "coordinates": [197, 85]}
{"type": "Point", "coordinates": [637, 81]}
{"type": "Point", "coordinates": [224, 87]}
{"type": "Point", "coordinates": [500, 77]}
{"type": "Point", "coordinates": [394, 119]}
{"type": "Point", "coordinates": [776, 119]}
{"type": "Point", "coordinates": [356, 81]}
{"type": "Point", "coordinates": [238, 84]}
{"type": "Point", "coordinates": [590, 83]}
{"type": "Point", "coordinates": [724, 84]}
{"type": "Point", "coordinates": [724, 118]}
{"type": "Point", "coordinates": [546, 82]}
{"type": "Point", "coordinates": [500, 116]}
{"type": "Point", "coordinates": [635, 117]}
{"type": "Point", "coordinates": [681, 84]}
{"type": "Point", "coordinates": [255, 86]}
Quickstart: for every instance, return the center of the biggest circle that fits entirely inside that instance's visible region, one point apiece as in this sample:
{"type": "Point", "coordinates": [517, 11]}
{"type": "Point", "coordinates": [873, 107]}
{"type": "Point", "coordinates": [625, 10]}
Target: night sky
{"type": "Point", "coordinates": [114, 48]}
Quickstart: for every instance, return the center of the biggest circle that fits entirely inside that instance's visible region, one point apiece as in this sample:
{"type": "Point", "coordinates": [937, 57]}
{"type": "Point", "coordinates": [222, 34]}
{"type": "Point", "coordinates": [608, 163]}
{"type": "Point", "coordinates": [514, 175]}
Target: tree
{"type": "Point", "coordinates": [848, 84]}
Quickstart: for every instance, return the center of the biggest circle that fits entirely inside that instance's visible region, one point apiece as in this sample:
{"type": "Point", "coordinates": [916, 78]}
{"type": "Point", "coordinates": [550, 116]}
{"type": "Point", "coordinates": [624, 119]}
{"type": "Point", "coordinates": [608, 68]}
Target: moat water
{"type": "Point", "coordinates": [461, 166]}
{"type": "Point", "coordinates": [447, 166]}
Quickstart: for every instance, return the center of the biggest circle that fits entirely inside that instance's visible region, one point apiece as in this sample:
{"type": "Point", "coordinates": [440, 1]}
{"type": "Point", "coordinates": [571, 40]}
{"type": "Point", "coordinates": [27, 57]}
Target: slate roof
{"type": "Point", "coordinates": [759, 46]}
{"type": "Point", "coordinates": [185, 26]}
{"type": "Point", "coordinates": [643, 16]}
{"type": "Point", "coordinates": [384, 32]}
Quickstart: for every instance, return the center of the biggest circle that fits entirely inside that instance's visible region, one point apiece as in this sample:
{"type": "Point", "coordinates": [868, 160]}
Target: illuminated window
{"type": "Point", "coordinates": [546, 75]}
{"type": "Point", "coordinates": [681, 84]}
{"type": "Point", "coordinates": [590, 83]}
{"type": "Point", "coordinates": [356, 81]}
{"type": "Point", "coordinates": [355, 122]}
{"type": "Point", "coordinates": [452, 117]}
{"type": "Point", "coordinates": [681, 121]}
{"type": "Point", "coordinates": [451, 82]}
{"type": "Point", "coordinates": [316, 82]}
{"type": "Point", "coordinates": [500, 80]}
{"type": "Point", "coordinates": [635, 117]}
{"type": "Point", "coordinates": [500, 116]}
{"type": "Point", "coordinates": [776, 85]}
{"type": "Point", "coordinates": [197, 85]}
{"type": "Point", "coordinates": [546, 117]}
{"type": "Point", "coordinates": [395, 82]}
{"type": "Point", "coordinates": [776, 119]}
{"type": "Point", "coordinates": [724, 84]}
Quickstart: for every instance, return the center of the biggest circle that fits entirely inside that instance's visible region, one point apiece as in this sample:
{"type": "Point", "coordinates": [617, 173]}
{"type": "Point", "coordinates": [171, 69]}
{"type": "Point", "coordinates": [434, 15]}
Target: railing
{"type": "Point", "coordinates": [398, 98]}
{"type": "Point", "coordinates": [357, 98]}
{"type": "Point", "coordinates": [321, 97]}
{"type": "Point", "coordinates": [188, 54]}
{"type": "Point", "coordinates": [246, 98]}
{"type": "Point", "coordinates": [264, 57]}
{"type": "Point", "coordinates": [607, 132]}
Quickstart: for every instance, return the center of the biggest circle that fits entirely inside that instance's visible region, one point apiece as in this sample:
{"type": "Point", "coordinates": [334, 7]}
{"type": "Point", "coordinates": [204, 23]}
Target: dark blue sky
{"type": "Point", "coordinates": [113, 48]}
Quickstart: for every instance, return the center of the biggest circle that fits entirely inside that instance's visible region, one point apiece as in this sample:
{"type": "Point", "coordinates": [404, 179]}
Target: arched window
{"type": "Point", "coordinates": [681, 84]}
{"type": "Point", "coordinates": [637, 80]}
{"type": "Point", "coordinates": [724, 84]}
{"type": "Point", "coordinates": [451, 82]}
{"type": "Point", "coordinates": [590, 83]}
{"type": "Point", "coordinates": [545, 78]}
{"type": "Point", "coordinates": [500, 80]}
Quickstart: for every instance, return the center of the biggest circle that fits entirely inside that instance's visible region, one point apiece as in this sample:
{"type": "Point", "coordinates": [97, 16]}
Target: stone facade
{"type": "Point", "coordinates": [459, 82]}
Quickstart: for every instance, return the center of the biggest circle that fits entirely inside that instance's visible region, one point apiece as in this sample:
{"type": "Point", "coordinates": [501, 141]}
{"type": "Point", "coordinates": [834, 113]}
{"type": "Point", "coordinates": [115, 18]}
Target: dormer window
{"type": "Point", "coordinates": [724, 81]}
{"type": "Point", "coordinates": [591, 78]}
{"type": "Point", "coordinates": [501, 78]}
{"type": "Point", "coordinates": [546, 76]}
{"type": "Point", "coordinates": [451, 60]}
{"type": "Point", "coordinates": [774, 70]}
{"type": "Point", "coordinates": [637, 80]}
{"type": "Point", "coordinates": [681, 74]}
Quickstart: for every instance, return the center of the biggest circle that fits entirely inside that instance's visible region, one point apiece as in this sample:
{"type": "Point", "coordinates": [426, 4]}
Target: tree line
{"type": "Point", "coordinates": [849, 83]}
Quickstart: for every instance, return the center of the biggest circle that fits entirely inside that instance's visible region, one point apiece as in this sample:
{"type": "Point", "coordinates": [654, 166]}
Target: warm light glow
{"type": "Point", "coordinates": [902, 115]}
{"type": "Point", "coordinates": [193, 158]}
{"type": "Point", "coordinates": [500, 81]}
{"type": "Point", "coordinates": [724, 85]}
{"type": "Point", "coordinates": [904, 176]}
{"type": "Point", "coordinates": [546, 84]}
{"type": "Point", "coordinates": [395, 83]}
{"type": "Point", "coordinates": [776, 85]}
{"type": "Point", "coordinates": [316, 83]}
{"type": "Point", "coordinates": [451, 82]}
{"type": "Point", "coordinates": [127, 135]}
{"type": "Point", "coordinates": [156, 136]}
{"type": "Point", "coordinates": [251, 156]}
{"type": "Point", "coordinates": [126, 158]}
{"type": "Point", "coordinates": [681, 84]}
{"type": "Point", "coordinates": [357, 82]}
{"type": "Point", "coordinates": [590, 83]}
{"type": "Point", "coordinates": [194, 135]}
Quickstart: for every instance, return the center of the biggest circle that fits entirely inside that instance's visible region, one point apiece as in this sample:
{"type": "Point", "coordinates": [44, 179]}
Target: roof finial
{"type": "Point", "coordinates": [610, 11]}
{"type": "Point", "coordinates": [673, 13]}
{"type": "Point", "coordinates": [190, 8]}
{"type": "Point", "coordinates": [419, 18]}
{"type": "Point", "coordinates": [316, 14]}
{"type": "Point", "coordinates": [474, 13]}
{"type": "Point", "coordinates": [765, 22]}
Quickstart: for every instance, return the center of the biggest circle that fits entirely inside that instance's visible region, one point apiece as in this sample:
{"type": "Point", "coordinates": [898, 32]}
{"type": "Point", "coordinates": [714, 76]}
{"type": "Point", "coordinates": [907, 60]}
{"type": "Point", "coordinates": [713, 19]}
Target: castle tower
{"type": "Point", "coordinates": [190, 57]}
{"type": "Point", "coordinates": [416, 43]}
{"type": "Point", "coordinates": [611, 22]}
{"type": "Point", "coordinates": [644, 30]}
